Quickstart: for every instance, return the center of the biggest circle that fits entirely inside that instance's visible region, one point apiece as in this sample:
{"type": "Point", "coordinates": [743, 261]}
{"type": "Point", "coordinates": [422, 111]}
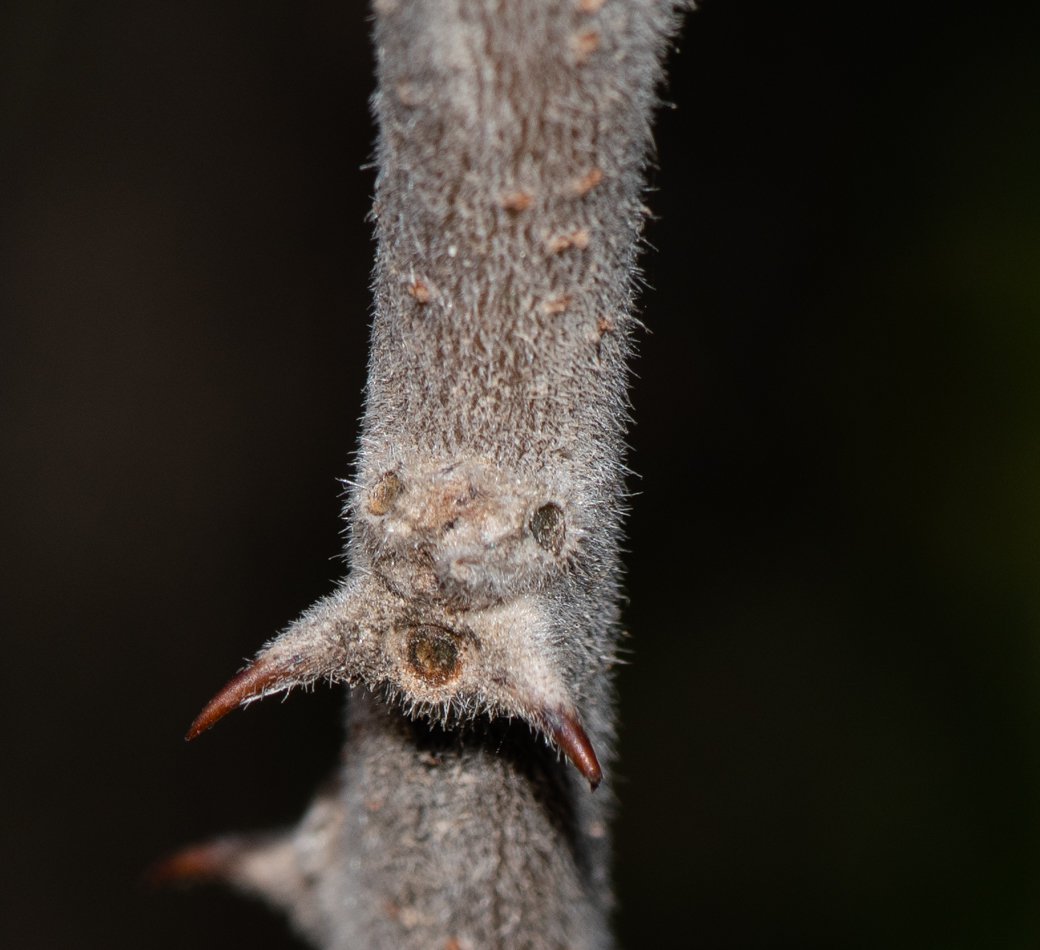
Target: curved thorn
{"type": "Point", "coordinates": [211, 861]}
{"type": "Point", "coordinates": [262, 677]}
{"type": "Point", "coordinates": [567, 732]}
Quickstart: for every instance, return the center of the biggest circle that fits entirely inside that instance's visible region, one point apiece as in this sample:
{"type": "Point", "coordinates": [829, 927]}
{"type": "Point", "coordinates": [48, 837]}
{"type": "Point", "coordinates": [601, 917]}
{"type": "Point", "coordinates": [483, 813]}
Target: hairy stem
{"type": "Point", "coordinates": [478, 626]}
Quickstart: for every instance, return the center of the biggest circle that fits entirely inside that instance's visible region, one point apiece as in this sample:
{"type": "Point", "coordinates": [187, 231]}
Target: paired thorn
{"type": "Point", "coordinates": [270, 674]}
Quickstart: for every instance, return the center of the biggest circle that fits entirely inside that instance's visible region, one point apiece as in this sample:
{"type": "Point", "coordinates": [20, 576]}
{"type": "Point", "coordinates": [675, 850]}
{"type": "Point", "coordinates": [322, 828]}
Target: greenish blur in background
{"type": "Point", "coordinates": [831, 716]}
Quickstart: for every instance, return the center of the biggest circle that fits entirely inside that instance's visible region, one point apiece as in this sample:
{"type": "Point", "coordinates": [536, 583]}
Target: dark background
{"type": "Point", "coordinates": [831, 720]}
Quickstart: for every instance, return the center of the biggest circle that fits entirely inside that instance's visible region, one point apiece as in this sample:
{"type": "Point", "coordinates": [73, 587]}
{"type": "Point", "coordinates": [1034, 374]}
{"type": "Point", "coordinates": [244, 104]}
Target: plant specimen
{"type": "Point", "coordinates": [478, 625]}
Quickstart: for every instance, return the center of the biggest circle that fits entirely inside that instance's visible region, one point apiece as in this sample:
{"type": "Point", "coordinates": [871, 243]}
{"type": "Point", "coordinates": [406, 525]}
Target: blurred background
{"type": "Point", "coordinates": [831, 720]}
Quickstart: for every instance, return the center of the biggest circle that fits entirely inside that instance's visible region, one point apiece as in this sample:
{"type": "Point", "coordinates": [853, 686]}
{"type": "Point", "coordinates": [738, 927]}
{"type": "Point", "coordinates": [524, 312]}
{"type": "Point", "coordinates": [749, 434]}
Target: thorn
{"type": "Point", "coordinates": [211, 861]}
{"type": "Point", "coordinates": [262, 677]}
{"type": "Point", "coordinates": [565, 730]}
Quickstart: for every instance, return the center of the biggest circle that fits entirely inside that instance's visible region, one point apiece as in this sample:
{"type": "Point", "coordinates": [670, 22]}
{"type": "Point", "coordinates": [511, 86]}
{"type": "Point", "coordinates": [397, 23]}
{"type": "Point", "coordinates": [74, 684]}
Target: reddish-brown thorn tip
{"type": "Point", "coordinates": [565, 730]}
{"type": "Point", "coordinates": [260, 677]}
{"type": "Point", "coordinates": [211, 861]}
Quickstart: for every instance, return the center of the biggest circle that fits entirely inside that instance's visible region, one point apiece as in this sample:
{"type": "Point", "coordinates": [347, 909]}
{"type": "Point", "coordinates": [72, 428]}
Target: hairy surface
{"type": "Point", "coordinates": [485, 515]}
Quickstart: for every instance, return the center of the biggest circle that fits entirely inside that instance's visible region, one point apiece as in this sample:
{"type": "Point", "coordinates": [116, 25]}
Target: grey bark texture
{"type": "Point", "coordinates": [478, 626]}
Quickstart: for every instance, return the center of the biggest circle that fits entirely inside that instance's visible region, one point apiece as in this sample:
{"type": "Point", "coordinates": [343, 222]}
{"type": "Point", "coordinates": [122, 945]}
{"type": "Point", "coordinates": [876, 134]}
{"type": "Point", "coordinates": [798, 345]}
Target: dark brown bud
{"type": "Point", "coordinates": [549, 527]}
{"type": "Point", "coordinates": [381, 498]}
{"type": "Point", "coordinates": [433, 653]}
